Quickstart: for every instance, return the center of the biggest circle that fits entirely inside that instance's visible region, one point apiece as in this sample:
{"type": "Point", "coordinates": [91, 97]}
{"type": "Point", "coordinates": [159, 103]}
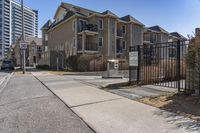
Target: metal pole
{"type": "Point", "coordinates": [62, 61]}
{"type": "Point", "coordinates": [139, 61]}
{"type": "Point", "coordinates": [22, 38]}
{"type": "Point", "coordinates": [178, 65]}
{"type": "Point", "coordinates": [57, 63]}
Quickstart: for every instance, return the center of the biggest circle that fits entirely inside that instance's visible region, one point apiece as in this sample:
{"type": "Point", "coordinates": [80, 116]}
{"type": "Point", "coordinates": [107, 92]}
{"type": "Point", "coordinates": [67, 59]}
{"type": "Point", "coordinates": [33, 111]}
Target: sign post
{"type": "Point", "coordinates": [23, 47]}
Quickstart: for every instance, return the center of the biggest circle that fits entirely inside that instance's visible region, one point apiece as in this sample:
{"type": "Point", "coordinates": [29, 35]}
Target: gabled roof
{"type": "Point", "coordinates": [47, 25]}
{"type": "Point", "coordinates": [178, 35]}
{"type": "Point", "coordinates": [29, 40]}
{"type": "Point", "coordinates": [158, 29]}
{"type": "Point", "coordinates": [72, 10]}
{"type": "Point", "coordinates": [129, 18]}
{"type": "Point", "coordinates": [68, 15]}
{"type": "Point", "coordinates": [107, 12]}
{"type": "Point", "coordinates": [68, 6]}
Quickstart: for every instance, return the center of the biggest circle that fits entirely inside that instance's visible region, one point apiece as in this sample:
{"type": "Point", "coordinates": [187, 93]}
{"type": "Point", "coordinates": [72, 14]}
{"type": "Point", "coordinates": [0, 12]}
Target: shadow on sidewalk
{"type": "Point", "coordinates": [179, 121]}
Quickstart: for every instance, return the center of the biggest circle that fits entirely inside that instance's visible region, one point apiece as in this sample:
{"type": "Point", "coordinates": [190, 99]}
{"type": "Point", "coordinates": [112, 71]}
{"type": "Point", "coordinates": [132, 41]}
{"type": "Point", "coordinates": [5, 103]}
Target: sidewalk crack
{"type": "Point", "coordinates": [96, 102]}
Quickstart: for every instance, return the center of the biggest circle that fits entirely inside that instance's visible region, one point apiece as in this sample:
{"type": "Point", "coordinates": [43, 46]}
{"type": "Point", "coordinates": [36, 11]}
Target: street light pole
{"type": "Point", "coordinates": [22, 37]}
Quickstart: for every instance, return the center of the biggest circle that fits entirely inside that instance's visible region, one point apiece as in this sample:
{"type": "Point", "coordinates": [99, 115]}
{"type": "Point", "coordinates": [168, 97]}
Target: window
{"type": "Point", "coordinates": [46, 37]}
{"type": "Point", "coordinates": [124, 45]}
{"type": "Point", "coordinates": [100, 42]}
{"type": "Point", "coordinates": [82, 24]}
{"type": "Point", "coordinates": [100, 24]}
{"type": "Point", "coordinates": [124, 29]}
{"type": "Point", "coordinates": [74, 42]}
{"type": "Point", "coordinates": [46, 48]}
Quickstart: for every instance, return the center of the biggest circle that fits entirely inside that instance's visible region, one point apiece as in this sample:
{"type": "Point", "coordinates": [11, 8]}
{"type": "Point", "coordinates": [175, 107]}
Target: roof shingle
{"type": "Point", "coordinates": [129, 18]}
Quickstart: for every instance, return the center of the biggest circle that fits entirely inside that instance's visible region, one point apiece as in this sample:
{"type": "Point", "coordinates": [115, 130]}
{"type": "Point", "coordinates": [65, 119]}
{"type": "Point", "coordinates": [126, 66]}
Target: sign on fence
{"type": "Point", "coordinates": [133, 59]}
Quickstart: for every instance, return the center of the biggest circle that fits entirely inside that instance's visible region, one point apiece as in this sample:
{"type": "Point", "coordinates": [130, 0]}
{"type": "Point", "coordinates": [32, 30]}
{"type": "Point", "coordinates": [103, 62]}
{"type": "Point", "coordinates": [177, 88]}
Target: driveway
{"type": "Point", "coordinates": [137, 92]}
{"type": "Point", "coordinates": [105, 112]}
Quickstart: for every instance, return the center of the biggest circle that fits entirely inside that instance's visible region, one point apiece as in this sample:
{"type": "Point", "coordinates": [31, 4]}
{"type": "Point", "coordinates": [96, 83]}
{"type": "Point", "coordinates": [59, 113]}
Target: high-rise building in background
{"type": "Point", "coordinates": [11, 26]}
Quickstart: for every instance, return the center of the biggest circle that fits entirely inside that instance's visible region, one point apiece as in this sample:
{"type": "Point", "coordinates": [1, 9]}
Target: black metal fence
{"type": "Point", "coordinates": [162, 64]}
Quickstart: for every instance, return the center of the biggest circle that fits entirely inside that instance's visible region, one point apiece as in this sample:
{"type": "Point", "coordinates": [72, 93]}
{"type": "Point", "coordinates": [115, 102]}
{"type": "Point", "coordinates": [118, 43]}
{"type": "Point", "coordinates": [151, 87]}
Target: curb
{"type": "Point", "coordinates": [5, 81]}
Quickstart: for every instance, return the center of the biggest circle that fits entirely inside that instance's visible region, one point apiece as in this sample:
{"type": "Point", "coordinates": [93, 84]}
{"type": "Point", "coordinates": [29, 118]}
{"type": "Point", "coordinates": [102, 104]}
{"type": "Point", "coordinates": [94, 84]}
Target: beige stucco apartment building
{"type": "Point", "coordinates": [157, 35]}
{"type": "Point", "coordinates": [76, 30]}
{"type": "Point", "coordinates": [159, 43]}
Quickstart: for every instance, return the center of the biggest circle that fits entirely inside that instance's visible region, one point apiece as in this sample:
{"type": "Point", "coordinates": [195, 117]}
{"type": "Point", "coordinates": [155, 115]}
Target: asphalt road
{"type": "Point", "coordinates": [26, 106]}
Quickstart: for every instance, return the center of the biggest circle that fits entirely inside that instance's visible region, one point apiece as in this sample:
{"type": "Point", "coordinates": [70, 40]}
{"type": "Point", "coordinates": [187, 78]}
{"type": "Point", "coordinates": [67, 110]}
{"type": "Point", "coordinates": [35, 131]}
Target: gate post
{"type": "Point", "coordinates": [134, 69]}
{"type": "Point", "coordinates": [139, 60]}
{"type": "Point", "coordinates": [130, 68]}
{"type": "Point", "coordinates": [178, 65]}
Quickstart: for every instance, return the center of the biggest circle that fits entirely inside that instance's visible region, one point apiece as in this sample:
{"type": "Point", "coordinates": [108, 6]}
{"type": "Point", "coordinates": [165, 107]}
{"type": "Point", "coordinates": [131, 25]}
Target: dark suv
{"type": "Point", "coordinates": [7, 65]}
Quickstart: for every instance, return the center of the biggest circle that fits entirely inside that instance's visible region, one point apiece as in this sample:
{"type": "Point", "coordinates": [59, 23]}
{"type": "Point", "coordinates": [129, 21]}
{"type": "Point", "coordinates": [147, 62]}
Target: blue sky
{"type": "Point", "coordinates": [182, 16]}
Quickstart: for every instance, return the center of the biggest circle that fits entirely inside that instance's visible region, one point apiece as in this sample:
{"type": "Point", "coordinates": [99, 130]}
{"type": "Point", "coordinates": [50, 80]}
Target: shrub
{"type": "Point", "coordinates": [193, 62]}
{"type": "Point", "coordinates": [98, 64]}
{"type": "Point", "coordinates": [71, 63]}
{"type": "Point", "coordinates": [42, 67]}
{"type": "Point", "coordinates": [84, 62]}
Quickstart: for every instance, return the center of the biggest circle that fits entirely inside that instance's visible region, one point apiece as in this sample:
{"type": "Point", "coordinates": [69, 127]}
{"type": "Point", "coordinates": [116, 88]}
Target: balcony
{"type": "Point", "coordinates": [88, 48]}
{"type": "Point", "coordinates": [89, 29]}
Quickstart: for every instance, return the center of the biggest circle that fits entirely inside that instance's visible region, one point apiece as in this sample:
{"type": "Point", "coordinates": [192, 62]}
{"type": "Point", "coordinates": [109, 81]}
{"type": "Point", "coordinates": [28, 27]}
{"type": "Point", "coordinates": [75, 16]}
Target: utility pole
{"type": "Point", "coordinates": [23, 44]}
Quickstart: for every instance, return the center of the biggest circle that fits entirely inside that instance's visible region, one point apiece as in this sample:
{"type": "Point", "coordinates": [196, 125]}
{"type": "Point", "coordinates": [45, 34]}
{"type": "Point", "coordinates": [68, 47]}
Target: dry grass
{"type": "Point", "coordinates": [181, 104]}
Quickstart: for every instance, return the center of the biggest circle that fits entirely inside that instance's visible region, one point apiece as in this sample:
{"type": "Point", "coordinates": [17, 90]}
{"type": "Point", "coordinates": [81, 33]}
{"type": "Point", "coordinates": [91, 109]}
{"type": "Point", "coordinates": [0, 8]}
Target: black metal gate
{"type": "Point", "coordinates": [162, 64]}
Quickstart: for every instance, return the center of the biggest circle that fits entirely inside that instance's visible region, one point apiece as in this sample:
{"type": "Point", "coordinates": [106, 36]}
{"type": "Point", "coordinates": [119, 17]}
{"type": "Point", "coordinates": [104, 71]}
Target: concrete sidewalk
{"type": "Point", "coordinates": [110, 113]}
{"type": "Point", "coordinates": [27, 106]}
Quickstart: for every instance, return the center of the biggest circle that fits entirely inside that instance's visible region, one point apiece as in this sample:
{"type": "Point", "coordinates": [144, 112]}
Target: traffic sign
{"type": "Point", "coordinates": [23, 45]}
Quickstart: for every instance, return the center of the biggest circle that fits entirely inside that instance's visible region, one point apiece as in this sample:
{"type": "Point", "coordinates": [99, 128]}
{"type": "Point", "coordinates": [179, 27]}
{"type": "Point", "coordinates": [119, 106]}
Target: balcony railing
{"type": "Point", "coordinates": [88, 47]}
{"type": "Point", "coordinates": [88, 27]}
{"type": "Point", "coordinates": [91, 47]}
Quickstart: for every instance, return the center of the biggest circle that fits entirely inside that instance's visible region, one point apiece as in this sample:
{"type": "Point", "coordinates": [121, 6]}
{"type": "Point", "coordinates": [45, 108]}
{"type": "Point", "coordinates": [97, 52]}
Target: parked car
{"type": "Point", "coordinates": [7, 65]}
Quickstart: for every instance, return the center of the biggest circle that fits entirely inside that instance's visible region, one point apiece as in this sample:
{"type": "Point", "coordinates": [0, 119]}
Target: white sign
{"type": "Point", "coordinates": [23, 45]}
{"type": "Point", "coordinates": [133, 58]}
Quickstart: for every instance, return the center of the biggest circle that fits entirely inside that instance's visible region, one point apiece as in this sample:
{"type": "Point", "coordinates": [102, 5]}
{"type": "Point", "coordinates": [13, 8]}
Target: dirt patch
{"type": "Point", "coordinates": [181, 104]}
{"type": "Point", "coordinates": [20, 73]}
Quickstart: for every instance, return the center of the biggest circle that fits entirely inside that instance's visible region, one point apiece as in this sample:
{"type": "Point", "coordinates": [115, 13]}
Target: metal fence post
{"type": "Point", "coordinates": [178, 65]}
{"type": "Point", "coordinates": [139, 60]}
{"type": "Point", "coordinates": [130, 49]}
